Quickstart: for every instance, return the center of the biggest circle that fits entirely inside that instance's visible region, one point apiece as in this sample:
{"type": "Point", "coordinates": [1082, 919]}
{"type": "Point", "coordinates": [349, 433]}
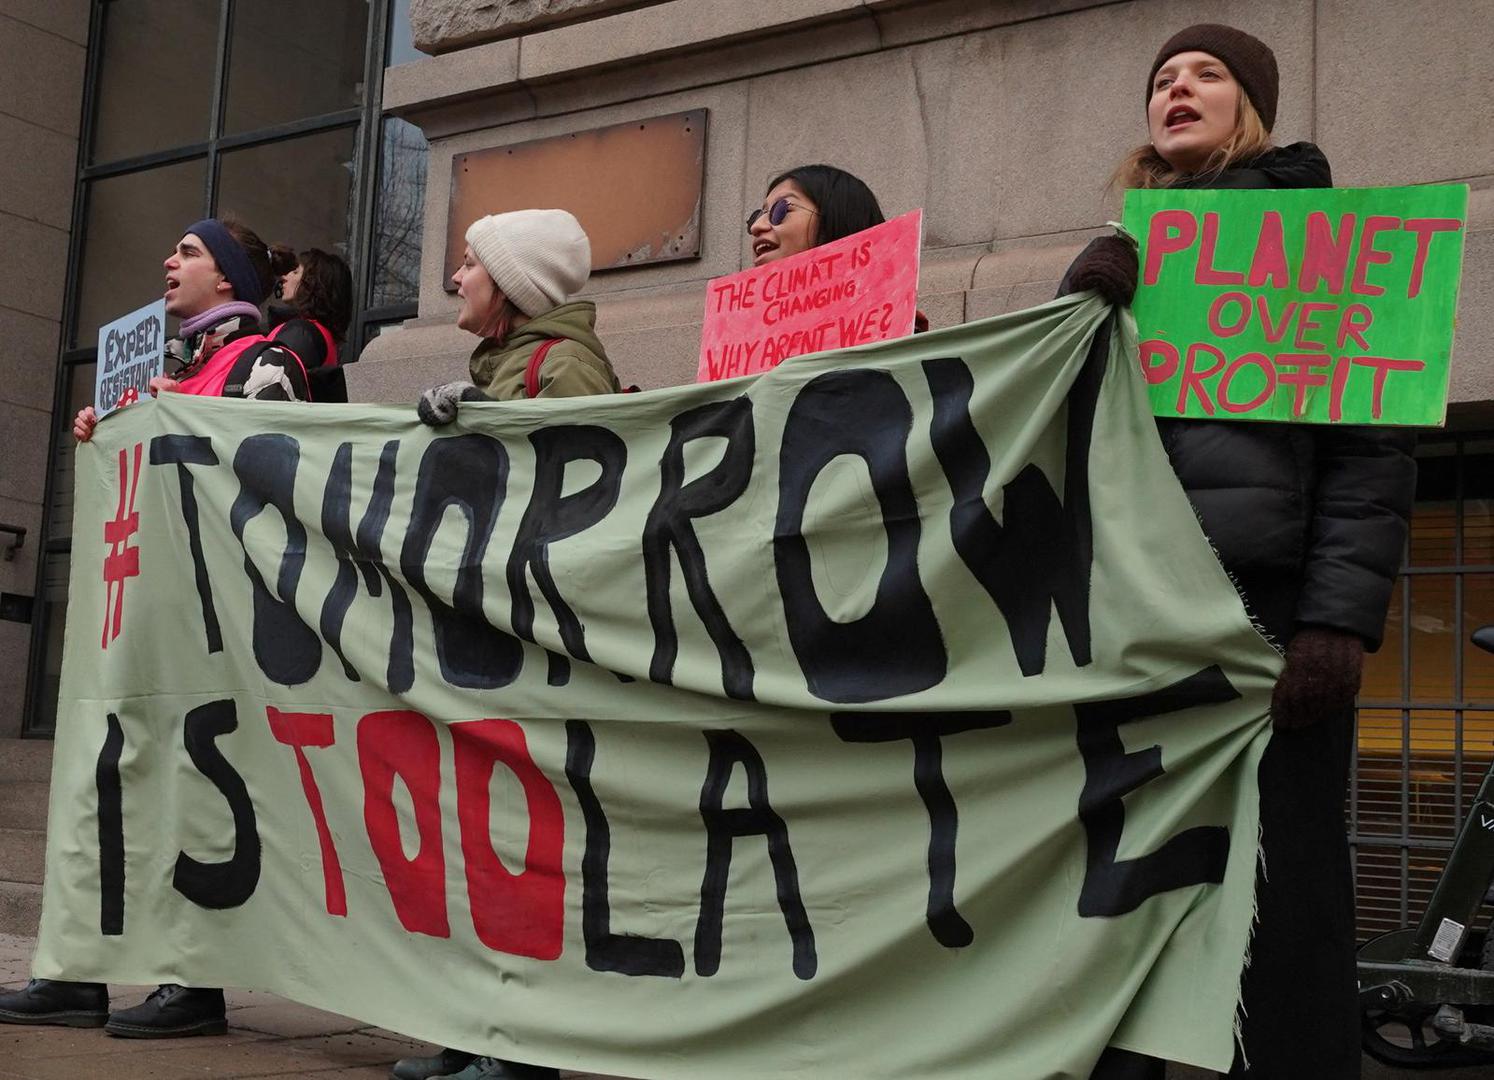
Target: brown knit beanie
{"type": "Point", "coordinates": [1249, 60]}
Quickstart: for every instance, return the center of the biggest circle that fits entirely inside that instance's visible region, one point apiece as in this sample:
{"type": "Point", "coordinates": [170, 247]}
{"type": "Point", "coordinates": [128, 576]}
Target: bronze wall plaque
{"type": "Point", "coordinates": [635, 188]}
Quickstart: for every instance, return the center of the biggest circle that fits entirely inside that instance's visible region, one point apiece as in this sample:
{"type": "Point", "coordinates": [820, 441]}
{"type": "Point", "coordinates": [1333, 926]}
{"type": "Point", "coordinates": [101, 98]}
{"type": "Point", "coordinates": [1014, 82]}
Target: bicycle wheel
{"type": "Point", "coordinates": [1404, 1038]}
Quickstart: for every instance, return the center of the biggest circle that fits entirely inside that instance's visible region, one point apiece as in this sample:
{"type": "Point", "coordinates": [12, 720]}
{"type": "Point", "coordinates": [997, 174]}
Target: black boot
{"type": "Point", "coordinates": [491, 1068]}
{"type": "Point", "coordinates": [423, 1068]}
{"type": "Point", "coordinates": [172, 1011]}
{"type": "Point", "coordinates": [48, 1001]}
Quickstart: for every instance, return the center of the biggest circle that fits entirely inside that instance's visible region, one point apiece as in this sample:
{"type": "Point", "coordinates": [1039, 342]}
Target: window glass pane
{"type": "Point", "coordinates": [1381, 749]}
{"type": "Point", "coordinates": [289, 59]}
{"type": "Point", "coordinates": [1478, 502]}
{"type": "Point", "coordinates": [1382, 669]}
{"type": "Point", "coordinates": [293, 192]}
{"type": "Point", "coordinates": [1433, 637]}
{"type": "Point", "coordinates": [399, 216]}
{"type": "Point", "coordinates": [156, 77]}
{"type": "Point", "coordinates": [1478, 666]}
{"type": "Point", "coordinates": [1434, 526]}
{"type": "Point", "coordinates": [401, 37]}
{"type": "Point", "coordinates": [79, 393]}
{"type": "Point", "coordinates": [132, 223]}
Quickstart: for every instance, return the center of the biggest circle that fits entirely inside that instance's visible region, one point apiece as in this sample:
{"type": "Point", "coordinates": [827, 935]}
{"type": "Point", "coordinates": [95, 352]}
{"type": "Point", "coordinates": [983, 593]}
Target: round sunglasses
{"type": "Point", "coordinates": [777, 212]}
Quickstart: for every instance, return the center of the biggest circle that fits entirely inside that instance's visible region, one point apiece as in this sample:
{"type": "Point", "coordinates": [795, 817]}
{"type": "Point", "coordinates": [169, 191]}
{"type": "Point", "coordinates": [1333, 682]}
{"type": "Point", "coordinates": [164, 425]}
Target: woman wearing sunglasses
{"type": "Point", "coordinates": [809, 206]}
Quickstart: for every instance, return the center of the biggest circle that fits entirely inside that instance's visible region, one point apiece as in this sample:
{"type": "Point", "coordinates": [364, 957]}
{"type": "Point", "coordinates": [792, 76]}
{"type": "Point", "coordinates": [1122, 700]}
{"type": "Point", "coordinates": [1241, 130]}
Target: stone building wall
{"type": "Point", "coordinates": [1002, 119]}
{"type": "Point", "coordinates": [42, 47]}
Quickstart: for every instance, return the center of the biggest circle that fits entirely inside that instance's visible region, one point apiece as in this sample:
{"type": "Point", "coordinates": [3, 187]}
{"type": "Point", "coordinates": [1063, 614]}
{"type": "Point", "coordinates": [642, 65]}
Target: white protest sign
{"type": "Point", "coordinates": [132, 351]}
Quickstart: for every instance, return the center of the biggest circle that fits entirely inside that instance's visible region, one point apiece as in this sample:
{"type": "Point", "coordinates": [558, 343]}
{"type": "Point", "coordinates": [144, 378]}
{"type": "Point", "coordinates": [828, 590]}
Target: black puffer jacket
{"type": "Point", "coordinates": [1309, 519]}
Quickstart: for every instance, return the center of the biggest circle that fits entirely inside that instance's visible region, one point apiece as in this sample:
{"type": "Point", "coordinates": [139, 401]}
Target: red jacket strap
{"type": "Point", "coordinates": [532, 372]}
{"type": "Point", "coordinates": [329, 357]}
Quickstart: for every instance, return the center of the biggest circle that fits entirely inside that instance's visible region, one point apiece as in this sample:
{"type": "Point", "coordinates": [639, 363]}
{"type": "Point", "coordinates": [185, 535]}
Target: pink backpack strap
{"type": "Point", "coordinates": [532, 372]}
{"type": "Point", "coordinates": [330, 357]}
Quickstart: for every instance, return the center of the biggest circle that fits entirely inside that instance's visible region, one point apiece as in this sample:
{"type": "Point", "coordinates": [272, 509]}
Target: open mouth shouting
{"type": "Point", "coordinates": [761, 247]}
{"type": "Point", "coordinates": [1180, 116]}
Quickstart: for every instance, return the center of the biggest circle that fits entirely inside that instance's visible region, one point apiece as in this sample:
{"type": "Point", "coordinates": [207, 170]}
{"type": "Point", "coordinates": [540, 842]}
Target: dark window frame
{"type": "Point", "coordinates": [367, 122]}
{"type": "Point", "coordinates": [1408, 843]}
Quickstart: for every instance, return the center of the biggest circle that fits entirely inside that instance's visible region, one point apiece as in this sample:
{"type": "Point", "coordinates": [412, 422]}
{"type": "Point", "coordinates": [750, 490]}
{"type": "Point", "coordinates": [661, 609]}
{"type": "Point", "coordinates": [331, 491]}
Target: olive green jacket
{"type": "Point", "coordinates": [575, 366]}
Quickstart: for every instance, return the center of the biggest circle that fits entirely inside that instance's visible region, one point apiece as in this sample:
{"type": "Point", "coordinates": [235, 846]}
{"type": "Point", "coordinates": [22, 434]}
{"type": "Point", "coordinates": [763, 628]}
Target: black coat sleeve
{"type": "Point", "coordinates": [1366, 481]}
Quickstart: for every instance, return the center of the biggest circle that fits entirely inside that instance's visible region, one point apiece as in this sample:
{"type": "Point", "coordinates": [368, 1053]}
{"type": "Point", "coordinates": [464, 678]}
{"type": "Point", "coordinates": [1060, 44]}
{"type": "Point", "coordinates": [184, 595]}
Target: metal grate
{"type": "Point", "coordinates": [1426, 712]}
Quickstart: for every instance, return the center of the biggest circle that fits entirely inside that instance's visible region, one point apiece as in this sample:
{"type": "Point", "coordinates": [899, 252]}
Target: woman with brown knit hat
{"type": "Point", "coordinates": [1310, 521]}
{"type": "Point", "coordinates": [518, 274]}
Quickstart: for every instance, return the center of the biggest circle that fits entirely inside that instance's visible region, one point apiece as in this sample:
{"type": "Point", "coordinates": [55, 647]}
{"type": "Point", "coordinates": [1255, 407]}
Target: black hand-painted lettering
{"type": "Point", "coordinates": [925, 730]}
{"type": "Point", "coordinates": [1039, 556]}
{"type": "Point", "coordinates": [181, 451]}
{"type": "Point", "coordinates": [897, 647]}
{"type": "Point", "coordinates": [287, 650]}
{"type": "Point", "coordinates": [222, 884]}
{"type": "Point", "coordinates": [728, 750]}
{"type": "Point", "coordinates": [552, 515]}
{"type": "Point", "coordinates": [111, 831]}
{"type": "Point", "coordinates": [627, 954]}
{"type": "Point", "coordinates": [363, 553]}
{"type": "Point", "coordinates": [669, 528]}
{"type": "Point", "coordinates": [1195, 856]}
{"type": "Point", "coordinates": [470, 473]}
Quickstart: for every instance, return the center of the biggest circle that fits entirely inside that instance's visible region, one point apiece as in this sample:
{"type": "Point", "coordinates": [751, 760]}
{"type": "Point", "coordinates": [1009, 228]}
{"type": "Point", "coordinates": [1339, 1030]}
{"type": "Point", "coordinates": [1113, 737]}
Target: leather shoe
{"type": "Point", "coordinates": [49, 1001]}
{"type": "Point", "coordinates": [491, 1068]}
{"type": "Point", "coordinates": [172, 1011]}
{"type": "Point", "coordinates": [448, 1061]}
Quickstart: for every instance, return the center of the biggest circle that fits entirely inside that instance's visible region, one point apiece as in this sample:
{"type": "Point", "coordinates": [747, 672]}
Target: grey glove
{"type": "Point", "coordinates": [438, 405]}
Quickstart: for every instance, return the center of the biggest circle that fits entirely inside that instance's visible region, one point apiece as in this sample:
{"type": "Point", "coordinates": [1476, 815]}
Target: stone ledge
{"type": "Point", "coordinates": [629, 33]}
{"type": "Point", "coordinates": [20, 908]}
{"type": "Point", "coordinates": [440, 26]}
{"type": "Point", "coordinates": [25, 759]}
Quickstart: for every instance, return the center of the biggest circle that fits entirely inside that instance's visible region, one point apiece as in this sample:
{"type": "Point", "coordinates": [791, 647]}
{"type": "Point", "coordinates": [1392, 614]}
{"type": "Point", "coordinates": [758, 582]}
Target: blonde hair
{"type": "Point", "coordinates": [1145, 168]}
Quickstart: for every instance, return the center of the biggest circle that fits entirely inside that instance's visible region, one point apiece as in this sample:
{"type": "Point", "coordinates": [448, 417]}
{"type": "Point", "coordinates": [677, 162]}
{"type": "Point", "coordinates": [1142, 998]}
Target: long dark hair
{"type": "Point", "coordinates": [845, 203]}
{"type": "Point", "coordinates": [326, 289]}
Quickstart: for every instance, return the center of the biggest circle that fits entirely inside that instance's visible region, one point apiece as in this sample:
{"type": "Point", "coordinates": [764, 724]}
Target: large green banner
{"type": "Point", "coordinates": [883, 715]}
{"type": "Point", "coordinates": [1322, 305]}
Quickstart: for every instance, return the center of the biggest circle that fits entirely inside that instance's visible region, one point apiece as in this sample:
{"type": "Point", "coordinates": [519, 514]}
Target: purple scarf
{"type": "Point", "coordinates": [215, 315]}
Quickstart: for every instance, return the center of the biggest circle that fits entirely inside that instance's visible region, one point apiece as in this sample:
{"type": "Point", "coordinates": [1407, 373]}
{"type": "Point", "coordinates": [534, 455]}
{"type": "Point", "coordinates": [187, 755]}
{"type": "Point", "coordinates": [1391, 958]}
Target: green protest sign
{"type": "Point", "coordinates": [720, 731]}
{"type": "Point", "coordinates": [1331, 305]}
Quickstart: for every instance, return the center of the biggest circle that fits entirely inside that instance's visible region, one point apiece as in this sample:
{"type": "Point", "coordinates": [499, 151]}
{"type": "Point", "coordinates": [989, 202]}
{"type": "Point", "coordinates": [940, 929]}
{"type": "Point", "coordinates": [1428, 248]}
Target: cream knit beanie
{"type": "Point", "coordinates": [539, 259]}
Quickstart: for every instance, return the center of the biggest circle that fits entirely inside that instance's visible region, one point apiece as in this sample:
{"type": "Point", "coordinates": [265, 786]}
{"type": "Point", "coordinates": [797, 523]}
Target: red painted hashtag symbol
{"type": "Point", "coordinates": [123, 561]}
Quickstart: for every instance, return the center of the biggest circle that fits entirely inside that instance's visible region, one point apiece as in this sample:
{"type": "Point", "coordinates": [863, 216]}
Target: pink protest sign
{"type": "Point", "coordinates": [852, 291]}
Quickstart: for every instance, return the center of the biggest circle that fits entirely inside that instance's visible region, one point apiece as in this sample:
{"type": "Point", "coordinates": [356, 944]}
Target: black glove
{"type": "Point", "coordinates": [1107, 265]}
{"type": "Point", "coordinates": [1322, 675]}
{"type": "Point", "coordinates": [438, 405]}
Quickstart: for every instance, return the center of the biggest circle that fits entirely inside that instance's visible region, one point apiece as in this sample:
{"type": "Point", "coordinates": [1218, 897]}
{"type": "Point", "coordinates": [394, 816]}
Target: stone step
{"type": "Point", "coordinates": [20, 908]}
{"type": "Point", "coordinates": [23, 804]}
{"type": "Point", "coordinates": [23, 855]}
{"type": "Point", "coordinates": [25, 759]}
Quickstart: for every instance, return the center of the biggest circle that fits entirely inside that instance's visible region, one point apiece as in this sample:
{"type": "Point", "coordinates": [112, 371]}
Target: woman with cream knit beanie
{"type": "Point", "coordinates": [517, 277]}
